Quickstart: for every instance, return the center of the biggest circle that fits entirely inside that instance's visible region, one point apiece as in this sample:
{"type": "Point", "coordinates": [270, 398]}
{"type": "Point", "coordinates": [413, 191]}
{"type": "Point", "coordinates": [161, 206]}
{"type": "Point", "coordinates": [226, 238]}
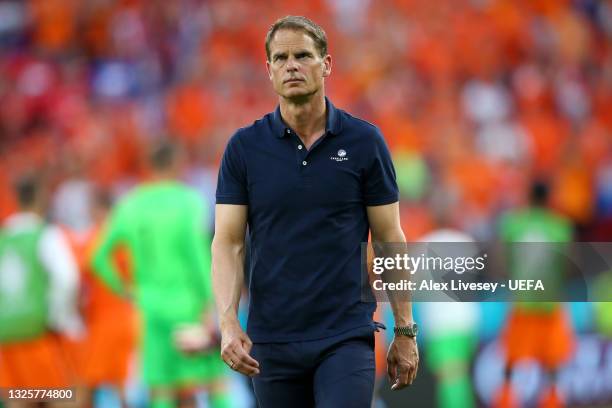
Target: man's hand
{"type": "Point", "coordinates": [402, 362]}
{"type": "Point", "coordinates": [193, 338]}
{"type": "Point", "coordinates": [235, 349]}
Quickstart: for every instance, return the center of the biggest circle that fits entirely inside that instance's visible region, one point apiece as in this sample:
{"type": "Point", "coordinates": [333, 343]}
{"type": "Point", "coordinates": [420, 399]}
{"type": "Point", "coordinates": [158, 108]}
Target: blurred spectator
{"type": "Point", "coordinates": [520, 81]}
{"type": "Point", "coordinates": [73, 198]}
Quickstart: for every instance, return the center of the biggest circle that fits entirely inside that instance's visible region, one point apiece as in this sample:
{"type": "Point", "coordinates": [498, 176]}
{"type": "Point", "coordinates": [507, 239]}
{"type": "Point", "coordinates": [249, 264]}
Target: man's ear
{"type": "Point", "coordinates": [327, 65]}
{"type": "Point", "coordinates": [268, 69]}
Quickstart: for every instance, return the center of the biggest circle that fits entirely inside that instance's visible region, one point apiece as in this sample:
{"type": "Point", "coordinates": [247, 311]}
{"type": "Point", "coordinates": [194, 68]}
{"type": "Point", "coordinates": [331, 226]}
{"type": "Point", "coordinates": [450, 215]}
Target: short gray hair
{"type": "Point", "coordinates": [312, 29]}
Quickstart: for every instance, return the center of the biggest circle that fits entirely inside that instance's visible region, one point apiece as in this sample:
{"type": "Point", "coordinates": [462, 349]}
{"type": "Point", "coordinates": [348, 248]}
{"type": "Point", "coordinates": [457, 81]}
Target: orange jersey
{"type": "Point", "coordinates": [103, 355]}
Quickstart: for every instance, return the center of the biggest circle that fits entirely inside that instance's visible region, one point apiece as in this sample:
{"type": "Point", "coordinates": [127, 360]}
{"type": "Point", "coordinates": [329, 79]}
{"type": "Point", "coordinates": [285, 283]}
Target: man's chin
{"type": "Point", "coordinates": [297, 95]}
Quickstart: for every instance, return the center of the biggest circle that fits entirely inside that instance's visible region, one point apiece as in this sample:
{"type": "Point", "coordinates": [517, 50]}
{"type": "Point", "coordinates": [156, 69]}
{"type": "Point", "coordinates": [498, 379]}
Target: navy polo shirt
{"type": "Point", "coordinates": [307, 218]}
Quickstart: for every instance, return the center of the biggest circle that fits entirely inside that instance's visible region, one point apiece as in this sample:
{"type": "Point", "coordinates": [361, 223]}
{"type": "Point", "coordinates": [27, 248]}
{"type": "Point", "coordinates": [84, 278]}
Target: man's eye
{"type": "Point", "coordinates": [280, 58]}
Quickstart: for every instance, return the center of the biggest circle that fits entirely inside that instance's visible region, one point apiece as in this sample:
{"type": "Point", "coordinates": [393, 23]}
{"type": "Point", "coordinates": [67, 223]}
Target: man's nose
{"type": "Point", "coordinates": [292, 64]}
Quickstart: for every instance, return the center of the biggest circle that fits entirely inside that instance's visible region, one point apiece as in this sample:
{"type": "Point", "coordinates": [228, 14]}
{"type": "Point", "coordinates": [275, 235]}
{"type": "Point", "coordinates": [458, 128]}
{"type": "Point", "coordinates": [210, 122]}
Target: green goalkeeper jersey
{"type": "Point", "coordinates": [162, 225]}
{"type": "Point", "coordinates": [537, 246]}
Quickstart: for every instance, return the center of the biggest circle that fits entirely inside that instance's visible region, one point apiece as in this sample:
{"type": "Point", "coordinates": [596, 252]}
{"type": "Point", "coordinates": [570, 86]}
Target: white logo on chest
{"type": "Point", "coordinates": [341, 156]}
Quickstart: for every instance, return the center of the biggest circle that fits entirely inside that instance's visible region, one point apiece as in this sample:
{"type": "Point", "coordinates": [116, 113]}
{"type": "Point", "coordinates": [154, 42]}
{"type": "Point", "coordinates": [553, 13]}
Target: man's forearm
{"type": "Point", "coordinates": [402, 311]}
{"type": "Point", "coordinates": [227, 278]}
{"type": "Point", "coordinates": [400, 302]}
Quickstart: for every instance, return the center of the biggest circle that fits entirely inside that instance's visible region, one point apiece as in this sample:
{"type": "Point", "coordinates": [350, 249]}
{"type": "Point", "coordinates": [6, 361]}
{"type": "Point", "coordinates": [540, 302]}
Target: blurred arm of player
{"type": "Point", "coordinates": [195, 338]}
{"type": "Point", "coordinates": [56, 256]}
{"type": "Point", "coordinates": [228, 277]}
{"type": "Point", "coordinates": [403, 354]}
{"type": "Point", "coordinates": [102, 259]}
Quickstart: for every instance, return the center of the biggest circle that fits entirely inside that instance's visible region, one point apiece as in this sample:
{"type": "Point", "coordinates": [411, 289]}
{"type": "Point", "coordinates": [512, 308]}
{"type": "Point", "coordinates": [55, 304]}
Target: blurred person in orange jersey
{"type": "Point", "coordinates": [104, 354]}
{"type": "Point", "coordinates": [536, 330]}
{"type": "Point", "coordinates": [38, 296]}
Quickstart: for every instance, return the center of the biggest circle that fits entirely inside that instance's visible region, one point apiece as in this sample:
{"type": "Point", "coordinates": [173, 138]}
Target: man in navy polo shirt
{"type": "Point", "coordinates": [310, 181]}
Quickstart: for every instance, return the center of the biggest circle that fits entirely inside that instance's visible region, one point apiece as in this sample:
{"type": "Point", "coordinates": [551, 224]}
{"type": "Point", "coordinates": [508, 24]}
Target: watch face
{"type": "Point", "coordinates": [415, 329]}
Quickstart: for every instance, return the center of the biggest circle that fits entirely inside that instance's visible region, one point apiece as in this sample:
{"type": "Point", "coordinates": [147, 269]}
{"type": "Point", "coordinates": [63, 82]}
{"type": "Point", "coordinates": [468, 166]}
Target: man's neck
{"type": "Point", "coordinates": [307, 118]}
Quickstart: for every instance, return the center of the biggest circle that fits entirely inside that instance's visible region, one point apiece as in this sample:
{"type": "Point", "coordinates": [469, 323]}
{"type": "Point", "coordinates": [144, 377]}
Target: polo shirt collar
{"type": "Point", "coordinates": [333, 124]}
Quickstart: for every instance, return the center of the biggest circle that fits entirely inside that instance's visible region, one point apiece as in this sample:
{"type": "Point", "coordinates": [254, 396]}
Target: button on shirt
{"type": "Point", "coordinates": [307, 218]}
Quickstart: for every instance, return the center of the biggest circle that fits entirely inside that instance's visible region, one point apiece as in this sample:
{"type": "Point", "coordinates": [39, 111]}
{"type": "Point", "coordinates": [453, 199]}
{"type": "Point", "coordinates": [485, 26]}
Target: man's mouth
{"type": "Point", "coordinates": [287, 81]}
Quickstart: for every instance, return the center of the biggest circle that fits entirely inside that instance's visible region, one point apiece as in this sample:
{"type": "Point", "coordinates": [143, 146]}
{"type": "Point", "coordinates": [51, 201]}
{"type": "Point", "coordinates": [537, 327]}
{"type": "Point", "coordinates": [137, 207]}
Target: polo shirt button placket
{"type": "Point", "coordinates": [300, 147]}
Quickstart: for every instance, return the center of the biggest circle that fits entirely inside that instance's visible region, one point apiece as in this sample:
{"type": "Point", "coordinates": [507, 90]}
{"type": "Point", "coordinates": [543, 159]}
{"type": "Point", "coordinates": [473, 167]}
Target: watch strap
{"type": "Point", "coordinates": [408, 331]}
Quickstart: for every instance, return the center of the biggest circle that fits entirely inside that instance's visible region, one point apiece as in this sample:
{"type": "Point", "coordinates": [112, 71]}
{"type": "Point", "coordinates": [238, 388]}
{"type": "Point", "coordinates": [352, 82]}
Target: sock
{"type": "Point", "coordinates": [505, 397]}
{"type": "Point", "coordinates": [550, 398]}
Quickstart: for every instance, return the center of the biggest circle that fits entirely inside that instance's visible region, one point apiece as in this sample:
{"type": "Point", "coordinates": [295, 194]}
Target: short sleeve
{"type": "Point", "coordinates": [232, 180]}
{"type": "Point", "coordinates": [380, 185]}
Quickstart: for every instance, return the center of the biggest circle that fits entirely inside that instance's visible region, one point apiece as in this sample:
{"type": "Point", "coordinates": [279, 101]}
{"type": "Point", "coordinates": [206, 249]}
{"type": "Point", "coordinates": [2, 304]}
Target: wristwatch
{"type": "Point", "coordinates": [410, 331]}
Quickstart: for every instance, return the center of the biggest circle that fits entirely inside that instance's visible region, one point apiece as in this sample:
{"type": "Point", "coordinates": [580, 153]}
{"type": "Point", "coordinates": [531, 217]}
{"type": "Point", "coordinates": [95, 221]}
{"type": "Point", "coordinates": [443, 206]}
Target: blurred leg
{"type": "Point", "coordinates": [162, 397]}
{"type": "Point", "coordinates": [455, 387]}
{"type": "Point", "coordinates": [505, 397]}
{"type": "Point", "coordinates": [219, 396]}
{"type": "Point", "coordinates": [187, 399]}
{"type": "Point", "coordinates": [157, 364]}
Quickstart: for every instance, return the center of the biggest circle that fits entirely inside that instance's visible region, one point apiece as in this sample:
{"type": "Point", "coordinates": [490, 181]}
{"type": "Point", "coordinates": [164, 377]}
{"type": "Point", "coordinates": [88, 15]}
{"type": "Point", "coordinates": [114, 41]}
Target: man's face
{"type": "Point", "coordinates": [296, 68]}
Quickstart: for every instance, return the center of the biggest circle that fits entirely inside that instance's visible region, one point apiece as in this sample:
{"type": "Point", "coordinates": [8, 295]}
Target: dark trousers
{"type": "Point", "coordinates": [334, 372]}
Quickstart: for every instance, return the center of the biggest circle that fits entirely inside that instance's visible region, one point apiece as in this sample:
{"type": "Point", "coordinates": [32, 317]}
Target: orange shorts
{"type": "Point", "coordinates": [546, 337]}
{"type": "Point", "coordinates": [106, 353]}
{"type": "Point", "coordinates": [34, 363]}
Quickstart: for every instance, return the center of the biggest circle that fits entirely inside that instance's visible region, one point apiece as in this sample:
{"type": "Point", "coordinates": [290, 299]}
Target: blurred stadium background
{"type": "Point", "coordinates": [476, 99]}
